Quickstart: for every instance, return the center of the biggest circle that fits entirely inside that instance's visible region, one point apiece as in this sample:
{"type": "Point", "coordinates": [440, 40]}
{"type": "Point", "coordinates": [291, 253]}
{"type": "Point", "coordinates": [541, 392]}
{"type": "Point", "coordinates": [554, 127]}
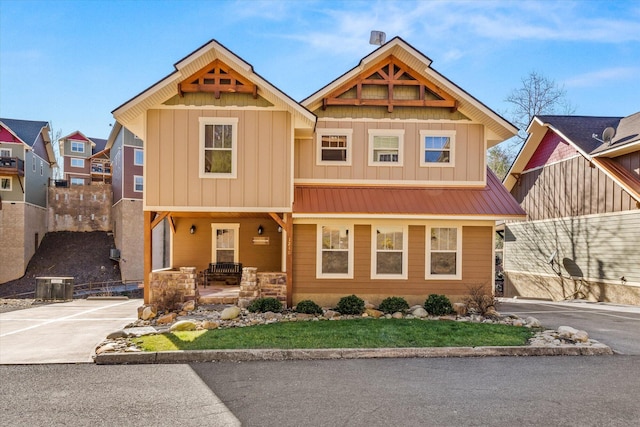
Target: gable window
{"type": "Point", "coordinates": [389, 252]}
{"type": "Point", "coordinates": [137, 184]}
{"type": "Point", "coordinates": [335, 252]}
{"type": "Point", "coordinates": [5, 183]}
{"type": "Point", "coordinates": [77, 181]}
{"type": "Point", "coordinates": [138, 157]}
{"type": "Point", "coordinates": [437, 148]}
{"type": "Point", "coordinates": [5, 152]}
{"type": "Point", "coordinates": [225, 242]}
{"type": "Point", "coordinates": [77, 163]}
{"type": "Point", "coordinates": [444, 257]}
{"type": "Point", "coordinates": [218, 147]}
{"type": "Point", "coordinates": [77, 147]}
{"type": "Point", "coordinates": [385, 147]}
{"type": "Point", "coordinates": [334, 146]}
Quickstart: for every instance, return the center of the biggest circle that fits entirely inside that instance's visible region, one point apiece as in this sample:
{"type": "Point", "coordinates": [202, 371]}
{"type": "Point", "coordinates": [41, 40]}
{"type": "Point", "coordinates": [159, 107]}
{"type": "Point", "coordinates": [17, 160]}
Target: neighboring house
{"type": "Point", "coordinates": [376, 185]}
{"type": "Point", "coordinates": [26, 159]}
{"type": "Point", "coordinates": [85, 160]}
{"type": "Point", "coordinates": [127, 161]}
{"type": "Point", "coordinates": [578, 179]}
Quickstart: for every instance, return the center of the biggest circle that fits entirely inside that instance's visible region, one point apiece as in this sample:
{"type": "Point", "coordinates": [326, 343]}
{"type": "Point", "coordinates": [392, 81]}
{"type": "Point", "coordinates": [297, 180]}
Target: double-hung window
{"type": "Point", "coordinates": [389, 252]}
{"type": "Point", "coordinates": [138, 157]}
{"type": "Point", "coordinates": [218, 147]}
{"type": "Point", "coordinates": [334, 146]}
{"type": "Point", "coordinates": [77, 147]}
{"type": "Point", "coordinates": [77, 163]}
{"type": "Point", "coordinates": [5, 183]}
{"type": "Point", "coordinates": [335, 252]}
{"type": "Point", "coordinates": [386, 147]}
{"type": "Point", "coordinates": [5, 152]}
{"type": "Point", "coordinates": [444, 253]}
{"type": "Point", "coordinates": [138, 183]}
{"type": "Point", "coordinates": [437, 148]}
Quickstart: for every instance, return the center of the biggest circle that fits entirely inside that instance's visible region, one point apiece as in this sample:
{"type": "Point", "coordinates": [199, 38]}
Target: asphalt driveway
{"type": "Point", "coordinates": [617, 326]}
{"type": "Point", "coordinates": [65, 332]}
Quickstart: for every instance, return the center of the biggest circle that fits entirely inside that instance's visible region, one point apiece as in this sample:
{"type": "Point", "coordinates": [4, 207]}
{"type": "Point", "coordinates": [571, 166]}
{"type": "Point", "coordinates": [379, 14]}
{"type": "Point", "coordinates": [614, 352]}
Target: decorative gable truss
{"type": "Point", "coordinates": [390, 83]}
{"type": "Point", "coordinates": [216, 78]}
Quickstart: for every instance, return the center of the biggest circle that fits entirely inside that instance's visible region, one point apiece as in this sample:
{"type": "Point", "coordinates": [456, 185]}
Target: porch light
{"type": "Point", "coordinates": [260, 230]}
{"type": "Point", "coordinates": [192, 230]}
{"type": "Point", "coordinates": [279, 229]}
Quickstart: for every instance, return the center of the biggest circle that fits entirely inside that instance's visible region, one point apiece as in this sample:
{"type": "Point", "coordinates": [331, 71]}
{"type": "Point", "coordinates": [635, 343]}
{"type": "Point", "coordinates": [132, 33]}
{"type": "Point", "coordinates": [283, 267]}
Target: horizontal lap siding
{"type": "Point", "coordinates": [477, 261]}
{"type": "Point", "coordinates": [601, 247]}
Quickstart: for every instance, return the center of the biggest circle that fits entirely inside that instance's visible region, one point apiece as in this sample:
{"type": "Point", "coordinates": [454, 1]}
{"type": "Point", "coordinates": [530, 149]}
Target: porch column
{"type": "Point", "coordinates": [148, 254]}
{"type": "Point", "coordinates": [288, 218]}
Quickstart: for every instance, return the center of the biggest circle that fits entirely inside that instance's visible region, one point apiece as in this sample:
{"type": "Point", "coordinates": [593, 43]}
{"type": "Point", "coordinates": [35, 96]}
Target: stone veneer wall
{"type": "Point", "coordinates": [166, 288]}
{"type": "Point", "coordinates": [262, 285]}
{"type": "Point", "coordinates": [80, 208]}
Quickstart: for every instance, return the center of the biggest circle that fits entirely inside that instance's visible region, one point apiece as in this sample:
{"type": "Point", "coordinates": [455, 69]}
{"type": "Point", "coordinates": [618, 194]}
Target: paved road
{"type": "Point", "coordinates": [616, 326]}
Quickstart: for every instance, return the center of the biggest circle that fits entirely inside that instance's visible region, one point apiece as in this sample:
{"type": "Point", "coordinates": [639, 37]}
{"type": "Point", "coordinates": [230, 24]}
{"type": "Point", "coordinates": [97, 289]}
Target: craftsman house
{"type": "Point", "coordinates": [376, 184]}
{"type": "Point", "coordinates": [85, 160]}
{"type": "Point", "coordinates": [26, 159]}
{"type": "Point", "coordinates": [578, 179]}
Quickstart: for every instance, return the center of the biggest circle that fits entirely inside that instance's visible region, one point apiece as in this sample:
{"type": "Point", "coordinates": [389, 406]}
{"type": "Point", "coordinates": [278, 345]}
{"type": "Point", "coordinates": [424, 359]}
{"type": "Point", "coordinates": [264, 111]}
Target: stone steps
{"type": "Point", "coordinates": [218, 300]}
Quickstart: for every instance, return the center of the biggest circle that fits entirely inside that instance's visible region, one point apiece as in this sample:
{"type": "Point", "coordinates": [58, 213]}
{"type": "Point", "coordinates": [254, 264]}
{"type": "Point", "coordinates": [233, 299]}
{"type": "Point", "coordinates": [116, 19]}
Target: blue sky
{"type": "Point", "coordinates": [73, 62]}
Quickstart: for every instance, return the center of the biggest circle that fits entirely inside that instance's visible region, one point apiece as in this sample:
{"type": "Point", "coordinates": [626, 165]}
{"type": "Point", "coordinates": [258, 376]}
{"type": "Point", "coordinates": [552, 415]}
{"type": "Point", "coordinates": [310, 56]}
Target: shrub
{"type": "Point", "coordinates": [262, 305]}
{"type": "Point", "coordinates": [438, 305]}
{"type": "Point", "coordinates": [479, 299]}
{"type": "Point", "coordinates": [350, 305]}
{"type": "Point", "coordinates": [308, 307]}
{"type": "Point", "coordinates": [392, 304]}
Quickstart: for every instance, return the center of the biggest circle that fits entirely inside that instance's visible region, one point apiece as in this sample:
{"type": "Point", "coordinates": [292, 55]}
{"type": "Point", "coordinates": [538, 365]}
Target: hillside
{"type": "Point", "coordinates": [84, 256]}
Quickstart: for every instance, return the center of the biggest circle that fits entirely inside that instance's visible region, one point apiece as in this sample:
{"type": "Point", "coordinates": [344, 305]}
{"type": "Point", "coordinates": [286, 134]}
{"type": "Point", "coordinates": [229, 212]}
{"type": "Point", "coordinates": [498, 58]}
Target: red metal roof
{"type": "Point", "coordinates": [492, 201]}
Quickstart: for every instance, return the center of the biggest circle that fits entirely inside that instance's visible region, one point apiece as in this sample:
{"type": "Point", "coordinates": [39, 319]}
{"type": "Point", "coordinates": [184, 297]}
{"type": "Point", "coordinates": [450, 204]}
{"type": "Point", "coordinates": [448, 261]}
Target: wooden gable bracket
{"type": "Point", "coordinates": [217, 78]}
{"type": "Point", "coordinates": [389, 74]}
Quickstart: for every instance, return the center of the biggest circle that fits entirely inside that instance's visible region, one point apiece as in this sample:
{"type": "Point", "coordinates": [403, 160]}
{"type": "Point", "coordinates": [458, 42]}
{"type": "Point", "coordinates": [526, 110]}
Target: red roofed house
{"type": "Point", "coordinates": [578, 179]}
{"type": "Point", "coordinates": [376, 185]}
{"type": "Point", "coordinates": [85, 159]}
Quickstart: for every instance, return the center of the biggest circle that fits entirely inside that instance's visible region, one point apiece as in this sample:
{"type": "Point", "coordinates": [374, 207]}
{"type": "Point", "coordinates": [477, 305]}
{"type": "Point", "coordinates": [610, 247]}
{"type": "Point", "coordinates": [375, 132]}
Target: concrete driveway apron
{"type": "Point", "coordinates": [66, 332]}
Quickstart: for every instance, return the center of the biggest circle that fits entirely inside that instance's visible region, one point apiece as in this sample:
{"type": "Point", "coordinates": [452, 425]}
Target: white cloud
{"type": "Point", "coordinates": [597, 77]}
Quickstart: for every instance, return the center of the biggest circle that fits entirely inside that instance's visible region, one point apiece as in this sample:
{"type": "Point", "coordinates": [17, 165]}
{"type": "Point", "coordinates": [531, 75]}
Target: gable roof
{"type": "Point", "coordinates": [500, 128]}
{"type": "Point", "coordinates": [29, 131]}
{"type": "Point", "coordinates": [492, 202]}
{"type": "Point", "coordinates": [584, 133]}
{"type": "Point", "coordinates": [129, 113]}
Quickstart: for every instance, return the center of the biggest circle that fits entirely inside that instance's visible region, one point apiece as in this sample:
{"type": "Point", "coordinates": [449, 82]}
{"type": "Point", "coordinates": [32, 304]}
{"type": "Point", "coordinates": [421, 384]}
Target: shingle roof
{"type": "Point", "coordinates": [100, 144]}
{"type": "Point", "coordinates": [580, 129]}
{"type": "Point", "coordinates": [492, 201]}
{"type": "Point", "coordinates": [26, 130]}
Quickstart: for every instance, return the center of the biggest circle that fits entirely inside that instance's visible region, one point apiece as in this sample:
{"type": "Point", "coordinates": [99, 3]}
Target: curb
{"type": "Point", "coordinates": [194, 356]}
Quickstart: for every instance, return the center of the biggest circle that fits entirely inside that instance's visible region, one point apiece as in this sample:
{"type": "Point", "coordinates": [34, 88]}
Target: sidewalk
{"type": "Point", "coordinates": [65, 332]}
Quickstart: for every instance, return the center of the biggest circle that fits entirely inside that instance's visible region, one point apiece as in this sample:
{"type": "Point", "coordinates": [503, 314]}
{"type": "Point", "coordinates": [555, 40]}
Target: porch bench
{"type": "Point", "coordinates": [223, 272]}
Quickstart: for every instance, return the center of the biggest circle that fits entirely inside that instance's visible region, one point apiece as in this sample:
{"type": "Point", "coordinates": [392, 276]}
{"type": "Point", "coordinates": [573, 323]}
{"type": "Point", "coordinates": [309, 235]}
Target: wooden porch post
{"type": "Point", "coordinates": [289, 229]}
{"type": "Point", "coordinates": [148, 255]}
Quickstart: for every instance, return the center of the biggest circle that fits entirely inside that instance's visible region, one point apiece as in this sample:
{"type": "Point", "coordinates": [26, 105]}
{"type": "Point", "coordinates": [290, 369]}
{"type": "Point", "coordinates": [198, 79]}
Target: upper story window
{"type": "Point", "coordinates": [334, 146]}
{"type": "Point", "coordinates": [138, 184]}
{"type": "Point", "coordinates": [5, 183]}
{"type": "Point", "coordinates": [77, 147]}
{"type": "Point", "coordinates": [335, 252]}
{"type": "Point", "coordinates": [444, 253]}
{"type": "Point", "coordinates": [218, 147]}
{"type": "Point", "coordinates": [5, 152]}
{"type": "Point", "coordinates": [437, 148]}
{"type": "Point", "coordinates": [77, 163]}
{"type": "Point", "coordinates": [138, 157]}
{"type": "Point", "coordinates": [385, 147]}
{"type": "Point", "coordinates": [389, 252]}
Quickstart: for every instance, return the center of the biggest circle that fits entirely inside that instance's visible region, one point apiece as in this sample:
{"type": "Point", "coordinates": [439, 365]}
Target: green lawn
{"type": "Point", "coordinates": [356, 333]}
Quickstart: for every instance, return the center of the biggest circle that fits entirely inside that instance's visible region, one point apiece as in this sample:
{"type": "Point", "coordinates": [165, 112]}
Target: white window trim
{"type": "Point", "coordinates": [319, 273]}
{"type": "Point", "coordinates": [76, 179]}
{"type": "Point", "coordinates": [234, 145]}
{"type": "Point", "coordinates": [134, 183]}
{"type": "Point", "coordinates": [236, 239]}
{"type": "Point", "coordinates": [135, 153]}
{"type": "Point", "coordinates": [8, 150]}
{"type": "Point", "coordinates": [71, 142]}
{"type": "Point", "coordinates": [387, 132]}
{"type": "Point", "coordinates": [76, 159]}
{"type": "Point", "coordinates": [427, 265]}
{"type": "Point", "coordinates": [405, 253]}
{"type": "Point", "coordinates": [10, 183]}
{"type": "Point", "coordinates": [338, 132]}
{"type": "Point", "coordinates": [451, 134]}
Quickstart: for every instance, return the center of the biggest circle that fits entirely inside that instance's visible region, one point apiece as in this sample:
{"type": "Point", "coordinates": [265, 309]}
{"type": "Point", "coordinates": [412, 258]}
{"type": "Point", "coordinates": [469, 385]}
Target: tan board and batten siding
{"type": "Point", "coordinates": [477, 253]}
{"type": "Point", "coordinates": [264, 159]}
{"type": "Point", "coordinates": [468, 151]}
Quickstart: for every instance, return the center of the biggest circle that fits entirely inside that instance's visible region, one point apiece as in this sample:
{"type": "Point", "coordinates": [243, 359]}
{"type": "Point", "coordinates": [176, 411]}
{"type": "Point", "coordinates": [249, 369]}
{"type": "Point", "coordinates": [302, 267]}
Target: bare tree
{"type": "Point", "coordinates": [55, 135]}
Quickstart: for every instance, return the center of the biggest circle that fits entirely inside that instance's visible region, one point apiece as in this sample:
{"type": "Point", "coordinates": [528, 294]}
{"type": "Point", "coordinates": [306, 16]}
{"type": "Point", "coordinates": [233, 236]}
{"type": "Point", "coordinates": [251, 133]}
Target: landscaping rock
{"type": "Point", "coordinates": [369, 305]}
{"type": "Point", "coordinates": [166, 319]}
{"type": "Point", "coordinates": [148, 313]}
{"type": "Point", "coordinates": [105, 348]}
{"type": "Point", "coordinates": [460, 308]}
{"type": "Point", "coordinates": [117, 334]}
{"type": "Point", "coordinates": [189, 306]}
{"type": "Point", "coordinates": [566, 332]}
{"type": "Point", "coordinates": [230, 313]}
{"type": "Point", "coordinates": [331, 314]}
{"type": "Point", "coordinates": [397, 315]}
{"type": "Point", "coordinates": [373, 313]}
{"type": "Point", "coordinates": [183, 325]}
{"type": "Point", "coordinates": [209, 324]}
{"type": "Point", "coordinates": [532, 322]}
{"type": "Point", "coordinates": [420, 312]}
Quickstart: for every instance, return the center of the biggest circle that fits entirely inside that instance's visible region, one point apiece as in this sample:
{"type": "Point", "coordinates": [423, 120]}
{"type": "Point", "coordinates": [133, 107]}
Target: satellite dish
{"type": "Point", "coordinates": [552, 257]}
{"type": "Point", "coordinates": [608, 134]}
{"type": "Point", "coordinates": [377, 38]}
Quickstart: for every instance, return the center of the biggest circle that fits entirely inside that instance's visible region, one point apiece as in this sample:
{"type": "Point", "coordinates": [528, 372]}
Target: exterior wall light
{"type": "Point", "coordinates": [192, 230]}
{"type": "Point", "coordinates": [260, 230]}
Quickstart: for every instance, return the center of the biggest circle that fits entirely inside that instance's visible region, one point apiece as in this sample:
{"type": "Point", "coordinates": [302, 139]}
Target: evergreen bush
{"type": "Point", "coordinates": [438, 305]}
{"type": "Point", "coordinates": [350, 305]}
{"type": "Point", "coordinates": [262, 305]}
{"type": "Point", "coordinates": [393, 304]}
